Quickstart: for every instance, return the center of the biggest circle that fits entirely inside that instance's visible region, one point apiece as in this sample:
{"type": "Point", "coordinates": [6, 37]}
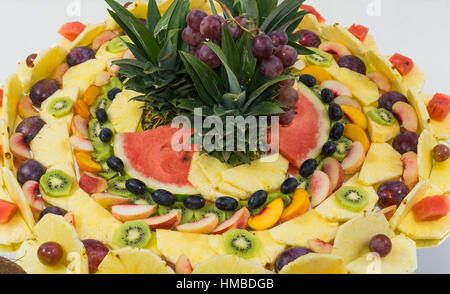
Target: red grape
{"type": "Point", "coordinates": [388, 99]}
{"type": "Point", "coordinates": [53, 210]}
{"type": "Point", "coordinates": [211, 27]}
{"type": "Point", "coordinates": [289, 255]}
{"type": "Point", "coordinates": [380, 244]}
{"type": "Point", "coordinates": [271, 67]}
{"type": "Point", "coordinates": [208, 56]}
{"type": "Point", "coordinates": [194, 18]}
{"type": "Point", "coordinates": [440, 152]}
{"type": "Point", "coordinates": [192, 37]}
{"type": "Point", "coordinates": [353, 63]}
{"type": "Point", "coordinates": [288, 96]}
{"type": "Point", "coordinates": [310, 39]}
{"type": "Point", "coordinates": [30, 170]}
{"type": "Point", "coordinates": [30, 127]}
{"type": "Point", "coordinates": [405, 142]}
{"type": "Point", "coordinates": [235, 30]}
{"type": "Point", "coordinates": [96, 252]}
{"type": "Point", "coordinates": [287, 117]}
{"type": "Point", "coordinates": [287, 54]}
{"type": "Point", "coordinates": [50, 253]}
{"type": "Point", "coordinates": [391, 193]}
{"type": "Point", "coordinates": [279, 38]}
{"type": "Point", "coordinates": [79, 55]}
{"type": "Point", "coordinates": [262, 47]}
{"type": "Point", "coordinates": [287, 83]}
{"type": "Point", "coordinates": [42, 90]}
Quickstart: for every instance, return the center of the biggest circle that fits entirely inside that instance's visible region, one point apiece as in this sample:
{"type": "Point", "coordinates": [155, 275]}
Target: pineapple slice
{"type": "Point", "coordinates": [299, 230]}
{"type": "Point", "coordinates": [129, 260]}
{"type": "Point", "coordinates": [125, 114]}
{"type": "Point", "coordinates": [330, 209]}
{"type": "Point", "coordinates": [338, 33]}
{"type": "Point", "coordinates": [263, 174]}
{"type": "Point", "coordinates": [415, 79]}
{"type": "Point", "coordinates": [382, 163]}
{"type": "Point", "coordinates": [310, 22]}
{"type": "Point", "coordinates": [83, 75]}
{"type": "Point", "coordinates": [370, 44]}
{"type": "Point", "coordinates": [441, 129]}
{"type": "Point", "coordinates": [424, 159]}
{"type": "Point", "coordinates": [352, 238]}
{"type": "Point", "coordinates": [422, 113]}
{"type": "Point", "coordinates": [88, 35]}
{"type": "Point", "coordinates": [211, 167]}
{"type": "Point", "coordinates": [382, 134]}
{"type": "Point", "coordinates": [228, 264]}
{"type": "Point", "coordinates": [201, 183]}
{"type": "Point", "coordinates": [7, 157]}
{"type": "Point", "coordinates": [72, 93]}
{"type": "Point", "coordinates": [12, 93]}
{"type": "Point", "coordinates": [314, 264]}
{"type": "Point", "coordinates": [401, 260]}
{"type": "Point", "coordinates": [51, 145]}
{"type": "Point", "coordinates": [440, 175]}
{"type": "Point", "coordinates": [228, 189]}
{"type": "Point", "coordinates": [431, 243]}
{"type": "Point", "coordinates": [153, 245]}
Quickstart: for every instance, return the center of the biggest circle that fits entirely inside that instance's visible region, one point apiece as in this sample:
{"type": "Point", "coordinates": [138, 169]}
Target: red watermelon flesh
{"type": "Point", "coordinates": [308, 132]}
{"type": "Point", "coordinates": [149, 157]}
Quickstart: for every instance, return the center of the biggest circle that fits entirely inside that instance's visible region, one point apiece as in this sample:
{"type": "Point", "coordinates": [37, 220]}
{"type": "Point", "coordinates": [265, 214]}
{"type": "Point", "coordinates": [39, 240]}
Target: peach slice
{"type": "Point", "coordinates": [318, 72]}
{"type": "Point", "coordinates": [102, 79]}
{"type": "Point", "coordinates": [18, 147]}
{"type": "Point", "coordinates": [407, 115]}
{"type": "Point", "coordinates": [70, 218]}
{"type": "Point", "coordinates": [167, 221]}
{"type": "Point", "coordinates": [183, 265]}
{"type": "Point", "coordinates": [128, 55]}
{"type": "Point", "coordinates": [298, 206]}
{"type": "Point", "coordinates": [86, 163]}
{"type": "Point", "coordinates": [354, 159]}
{"type": "Point", "coordinates": [268, 217]}
{"type": "Point", "coordinates": [320, 188]}
{"type": "Point", "coordinates": [80, 127]}
{"type": "Point", "coordinates": [380, 80]}
{"type": "Point", "coordinates": [91, 94]}
{"type": "Point", "coordinates": [332, 167]}
{"type": "Point", "coordinates": [82, 109]}
{"type": "Point", "coordinates": [60, 71]}
{"type": "Point", "coordinates": [319, 246]}
{"type": "Point", "coordinates": [346, 100]}
{"type": "Point", "coordinates": [388, 211]}
{"type": "Point", "coordinates": [102, 39]}
{"type": "Point", "coordinates": [356, 133]}
{"type": "Point", "coordinates": [356, 116]}
{"type": "Point", "coordinates": [31, 192]}
{"type": "Point", "coordinates": [113, 69]}
{"type": "Point", "coordinates": [204, 226]}
{"type": "Point", "coordinates": [81, 144]}
{"type": "Point", "coordinates": [335, 49]}
{"type": "Point", "coordinates": [237, 221]}
{"type": "Point", "coordinates": [128, 212]}
{"type": "Point", "coordinates": [410, 171]}
{"type": "Point", "coordinates": [92, 183]}
{"type": "Point", "coordinates": [337, 88]}
{"type": "Point", "coordinates": [108, 200]}
{"type": "Point", "coordinates": [26, 108]}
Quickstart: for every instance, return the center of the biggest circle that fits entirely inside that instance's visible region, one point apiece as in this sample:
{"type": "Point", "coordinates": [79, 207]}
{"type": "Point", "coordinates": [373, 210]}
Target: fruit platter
{"type": "Point", "coordinates": [97, 176]}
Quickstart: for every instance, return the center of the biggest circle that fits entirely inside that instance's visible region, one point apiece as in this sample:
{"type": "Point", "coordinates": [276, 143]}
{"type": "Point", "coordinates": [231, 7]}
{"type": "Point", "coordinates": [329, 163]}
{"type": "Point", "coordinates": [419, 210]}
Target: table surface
{"type": "Point", "coordinates": [415, 28]}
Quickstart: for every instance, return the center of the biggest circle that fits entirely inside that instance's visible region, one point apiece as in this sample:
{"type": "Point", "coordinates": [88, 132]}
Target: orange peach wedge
{"type": "Point", "coordinates": [355, 116]}
{"type": "Point", "coordinates": [268, 217]}
{"type": "Point", "coordinates": [183, 265]}
{"type": "Point", "coordinates": [356, 133]}
{"type": "Point", "coordinates": [298, 206]}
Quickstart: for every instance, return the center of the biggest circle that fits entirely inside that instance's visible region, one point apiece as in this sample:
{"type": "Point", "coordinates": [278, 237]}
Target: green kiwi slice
{"type": "Point", "coordinates": [56, 183]}
{"type": "Point", "coordinates": [118, 45]}
{"type": "Point", "coordinates": [241, 243]}
{"type": "Point", "coordinates": [106, 172]}
{"type": "Point", "coordinates": [304, 183]}
{"type": "Point", "coordinates": [60, 107]}
{"type": "Point", "coordinates": [132, 233]}
{"type": "Point", "coordinates": [114, 82]}
{"type": "Point", "coordinates": [95, 127]}
{"type": "Point", "coordinates": [187, 215]}
{"type": "Point", "coordinates": [342, 147]}
{"type": "Point", "coordinates": [144, 199]}
{"type": "Point", "coordinates": [104, 103]}
{"type": "Point", "coordinates": [208, 210]}
{"type": "Point", "coordinates": [101, 151]}
{"type": "Point", "coordinates": [381, 116]}
{"type": "Point", "coordinates": [352, 198]}
{"type": "Point", "coordinates": [319, 58]}
{"type": "Point", "coordinates": [117, 187]}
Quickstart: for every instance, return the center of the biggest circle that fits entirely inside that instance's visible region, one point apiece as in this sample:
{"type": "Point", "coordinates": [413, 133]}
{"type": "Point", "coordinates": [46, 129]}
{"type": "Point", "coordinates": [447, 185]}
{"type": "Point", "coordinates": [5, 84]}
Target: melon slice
{"type": "Point", "coordinates": [149, 157]}
{"type": "Point", "coordinates": [308, 132]}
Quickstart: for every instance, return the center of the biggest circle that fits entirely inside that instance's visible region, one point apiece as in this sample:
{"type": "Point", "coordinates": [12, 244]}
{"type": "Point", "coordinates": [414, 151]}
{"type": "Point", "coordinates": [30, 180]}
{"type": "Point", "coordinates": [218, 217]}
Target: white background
{"type": "Point", "coordinates": [415, 28]}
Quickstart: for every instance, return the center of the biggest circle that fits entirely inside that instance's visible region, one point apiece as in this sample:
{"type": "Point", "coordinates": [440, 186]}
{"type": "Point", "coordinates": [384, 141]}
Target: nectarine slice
{"type": "Point", "coordinates": [92, 183]}
{"type": "Point", "coordinates": [320, 188]}
{"type": "Point", "coordinates": [86, 163]}
{"type": "Point", "coordinates": [410, 171]}
{"type": "Point", "coordinates": [204, 226]}
{"type": "Point", "coordinates": [237, 221]}
{"type": "Point", "coordinates": [354, 159]}
{"type": "Point", "coordinates": [407, 115]}
{"type": "Point", "coordinates": [298, 206]}
{"type": "Point", "coordinates": [355, 116]}
{"type": "Point", "coordinates": [268, 217]}
{"type": "Point", "coordinates": [356, 133]}
{"type": "Point", "coordinates": [127, 212]}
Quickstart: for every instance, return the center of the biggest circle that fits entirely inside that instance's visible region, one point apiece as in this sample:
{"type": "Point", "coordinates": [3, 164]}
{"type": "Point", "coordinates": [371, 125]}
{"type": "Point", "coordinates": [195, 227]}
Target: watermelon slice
{"type": "Point", "coordinates": [308, 132]}
{"type": "Point", "coordinates": [149, 157]}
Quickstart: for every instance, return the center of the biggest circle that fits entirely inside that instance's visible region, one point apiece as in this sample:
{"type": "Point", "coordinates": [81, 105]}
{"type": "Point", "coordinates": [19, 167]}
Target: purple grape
{"type": "Point", "coordinates": [53, 210]}
{"type": "Point", "coordinates": [287, 117]}
{"type": "Point", "coordinates": [440, 152]}
{"type": "Point", "coordinates": [42, 90]}
{"type": "Point", "coordinates": [194, 18]}
{"type": "Point", "coordinates": [271, 67]}
{"type": "Point", "coordinates": [79, 55]}
{"type": "Point", "coordinates": [289, 255]}
{"type": "Point", "coordinates": [288, 96]}
{"type": "Point", "coordinates": [279, 38]}
{"type": "Point", "coordinates": [30, 127]}
{"type": "Point", "coordinates": [287, 83]}
{"type": "Point", "coordinates": [194, 51]}
{"type": "Point", "coordinates": [287, 54]}
{"type": "Point", "coordinates": [353, 63]}
{"type": "Point", "coordinates": [191, 37]}
{"type": "Point", "coordinates": [391, 193]}
{"type": "Point", "coordinates": [262, 47]}
{"type": "Point", "coordinates": [388, 99]}
{"type": "Point", "coordinates": [208, 56]}
{"type": "Point", "coordinates": [30, 170]}
{"type": "Point", "coordinates": [235, 30]}
{"type": "Point", "coordinates": [405, 142]}
{"type": "Point", "coordinates": [50, 253]}
{"type": "Point", "coordinates": [380, 244]}
{"type": "Point", "coordinates": [310, 39]}
{"type": "Point", "coordinates": [96, 252]}
{"type": "Point", "coordinates": [211, 27]}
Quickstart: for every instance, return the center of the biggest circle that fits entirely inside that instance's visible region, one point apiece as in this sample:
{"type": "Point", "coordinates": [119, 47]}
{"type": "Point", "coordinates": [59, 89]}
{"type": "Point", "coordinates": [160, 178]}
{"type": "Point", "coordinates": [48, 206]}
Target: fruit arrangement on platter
{"type": "Point", "coordinates": [89, 181]}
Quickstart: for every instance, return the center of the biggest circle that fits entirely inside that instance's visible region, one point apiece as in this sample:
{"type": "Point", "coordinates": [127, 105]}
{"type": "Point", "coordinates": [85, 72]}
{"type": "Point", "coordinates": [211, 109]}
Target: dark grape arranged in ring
{"type": "Point", "coordinates": [329, 148]}
{"type": "Point", "coordinates": [52, 210]}
{"type": "Point", "coordinates": [79, 55]}
{"type": "Point", "coordinates": [101, 115]}
{"type": "Point", "coordinates": [380, 244]}
{"type": "Point", "coordinates": [391, 193]}
{"type": "Point", "coordinates": [289, 255]}
{"type": "Point", "coordinates": [388, 99]}
{"type": "Point", "coordinates": [30, 170]}
{"type": "Point", "coordinates": [327, 96]}
{"type": "Point", "coordinates": [115, 163]}
{"type": "Point", "coordinates": [335, 112]}
{"type": "Point", "coordinates": [30, 127]}
{"type": "Point", "coordinates": [113, 93]}
{"type": "Point", "coordinates": [310, 39]}
{"type": "Point", "coordinates": [226, 203]}
{"type": "Point", "coordinates": [50, 253]}
{"type": "Point", "coordinates": [106, 135]}
{"type": "Point", "coordinates": [163, 197]}
{"type": "Point", "coordinates": [257, 199]}
{"type": "Point", "coordinates": [289, 186]}
{"type": "Point", "coordinates": [405, 142]}
{"type": "Point", "coordinates": [136, 186]}
{"type": "Point", "coordinates": [194, 202]}
{"type": "Point", "coordinates": [337, 130]}
{"type": "Point", "coordinates": [308, 167]}
{"type": "Point", "coordinates": [308, 80]}
{"type": "Point", "coordinates": [353, 63]}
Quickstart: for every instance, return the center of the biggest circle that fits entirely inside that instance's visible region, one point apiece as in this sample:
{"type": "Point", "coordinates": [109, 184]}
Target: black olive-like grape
{"type": "Point", "coordinates": [337, 130]}
{"type": "Point", "coordinates": [163, 197]}
{"type": "Point", "coordinates": [308, 80]}
{"type": "Point", "coordinates": [335, 112]}
{"type": "Point", "coordinates": [289, 186]}
{"type": "Point", "coordinates": [226, 203]}
{"type": "Point", "coordinates": [101, 115]}
{"type": "Point", "coordinates": [136, 186]}
{"type": "Point", "coordinates": [113, 93]}
{"type": "Point", "coordinates": [327, 95]}
{"type": "Point", "coordinates": [329, 148]}
{"type": "Point", "coordinates": [257, 199]}
{"type": "Point", "coordinates": [194, 202]}
{"type": "Point", "coordinates": [106, 135]}
{"type": "Point", "coordinates": [115, 163]}
{"type": "Point", "coordinates": [308, 167]}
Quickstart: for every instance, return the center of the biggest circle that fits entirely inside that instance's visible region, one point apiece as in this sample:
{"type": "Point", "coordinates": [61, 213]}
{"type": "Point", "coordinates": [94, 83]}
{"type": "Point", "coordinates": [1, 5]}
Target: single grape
{"type": "Point", "coordinates": [30, 170]}
{"type": "Point", "coordinates": [353, 63]}
{"type": "Point", "coordinates": [388, 99]}
{"type": "Point", "coordinates": [194, 18]}
{"type": "Point", "coordinates": [308, 80]}
{"type": "Point", "coordinates": [380, 244]}
{"type": "Point", "coordinates": [30, 127]}
{"type": "Point", "coordinates": [288, 96]}
{"type": "Point", "coordinates": [235, 29]}
{"type": "Point", "coordinates": [310, 39]}
{"type": "Point", "coordinates": [405, 142]}
{"type": "Point", "coordinates": [287, 117]}
{"type": "Point", "coordinates": [335, 112]}
{"type": "Point", "coordinates": [327, 95]}
{"type": "Point", "coordinates": [287, 54]}
{"type": "Point", "coordinates": [191, 37]}
{"type": "Point", "coordinates": [30, 59]}
{"type": "Point", "coordinates": [50, 253]}
{"type": "Point", "coordinates": [194, 50]}
{"type": "Point", "coordinates": [279, 38]}
{"type": "Point", "coordinates": [96, 252]}
{"type": "Point", "coordinates": [271, 67]}
{"type": "Point", "coordinates": [337, 130]}
{"type": "Point", "coordinates": [308, 167]}
{"type": "Point", "coordinates": [287, 83]}
{"type": "Point", "coordinates": [242, 20]}
{"type": "Point", "coordinates": [329, 148]}
{"type": "Point", "coordinates": [79, 55]}
{"type": "Point", "coordinates": [391, 193]}
{"type": "Point", "coordinates": [211, 27]}
{"type": "Point", "coordinates": [440, 152]}
{"type": "Point", "coordinates": [52, 210]}
{"type": "Point", "coordinates": [289, 255]}
{"type": "Point", "coordinates": [262, 47]}
{"type": "Point", "coordinates": [42, 90]}
{"type": "Point", "coordinates": [208, 56]}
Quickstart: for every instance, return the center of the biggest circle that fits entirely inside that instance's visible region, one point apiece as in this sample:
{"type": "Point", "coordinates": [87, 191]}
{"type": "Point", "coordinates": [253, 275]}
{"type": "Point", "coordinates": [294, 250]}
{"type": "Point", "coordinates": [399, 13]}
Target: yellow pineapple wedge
{"type": "Point", "coordinates": [379, 133]}
{"type": "Point", "coordinates": [330, 209]}
{"type": "Point", "coordinates": [51, 145]}
{"type": "Point", "coordinates": [431, 243]}
{"type": "Point", "coordinates": [309, 22]}
{"type": "Point", "coordinates": [415, 98]}
{"type": "Point", "coordinates": [441, 129]}
{"type": "Point", "coordinates": [228, 264]}
{"type": "Point", "coordinates": [415, 79]}
{"type": "Point", "coordinates": [299, 230]}
{"type": "Point", "coordinates": [382, 163]}
{"type": "Point", "coordinates": [211, 167]}
{"type": "Point", "coordinates": [7, 157]}
{"type": "Point", "coordinates": [71, 93]}
{"type": "Point", "coordinates": [314, 264]}
{"type": "Point", "coordinates": [125, 114]}
{"type": "Point", "coordinates": [401, 260]}
{"type": "Point", "coordinates": [83, 75]}
{"type": "Point", "coordinates": [424, 160]}
{"type": "Point", "coordinates": [338, 33]}
{"type": "Point", "coordinates": [12, 93]}
{"type": "Point", "coordinates": [440, 175]}
{"type": "Point", "coordinates": [88, 35]}
{"type": "Point", "coordinates": [201, 183]}
{"type": "Point", "coordinates": [129, 260]}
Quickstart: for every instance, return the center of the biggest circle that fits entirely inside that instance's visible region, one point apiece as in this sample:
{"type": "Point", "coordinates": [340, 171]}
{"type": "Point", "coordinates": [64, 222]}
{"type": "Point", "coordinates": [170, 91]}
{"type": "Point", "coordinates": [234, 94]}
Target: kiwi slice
{"type": "Point", "coordinates": [352, 198]}
{"type": "Point", "coordinates": [104, 103]}
{"type": "Point", "coordinates": [132, 233]}
{"type": "Point", "coordinates": [117, 187]}
{"type": "Point", "coordinates": [95, 127]}
{"type": "Point", "coordinates": [56, 183]}
{"type": "Point", "coordinates": [144, 199]}
{"type": "Point", "coordinates": [114, 82]}
{"type": "Point", "coordinates": [381, 116]}
{"type": "Point", "coordinates": [101, 151]}
{"type": "Point", "coordinates": [208, 210]}
{"type": "Point", "coordinates": [342, 147]}
{"type": "Point", "coordinates": [60, 107]}
{"type": "Point", "coordinates": [187, 215]}
{"type": "Point", "coordinates": [118, 45]}
{"type": "Point", "coordinates": [241, 243]}
{"type": "Point", "coordinates": [106, 172]}
{"type": "Point", "coordinates": [319, 58]}
{"type": "Point", "coordinates": [304, 183]}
